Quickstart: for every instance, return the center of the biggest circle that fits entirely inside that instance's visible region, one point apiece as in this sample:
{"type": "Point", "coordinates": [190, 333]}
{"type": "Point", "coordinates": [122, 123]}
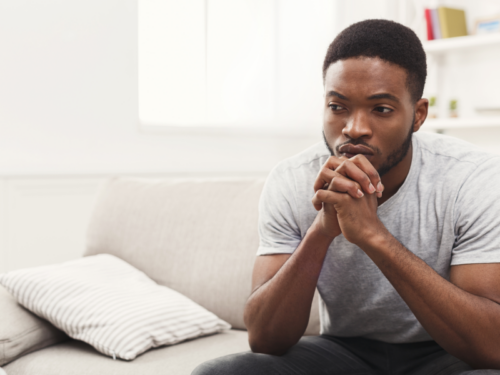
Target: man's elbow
{"type": "Point", "coordinates": [263, 345]}
{"type": "Point", "coordinates": [482, 356]}
{"type": "Point", "coordinates": [487, 359]}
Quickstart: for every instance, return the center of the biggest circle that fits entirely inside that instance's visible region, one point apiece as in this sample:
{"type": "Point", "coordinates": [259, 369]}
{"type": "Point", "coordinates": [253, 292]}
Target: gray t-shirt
{"type": "Point", "coordinates": [447, 212]}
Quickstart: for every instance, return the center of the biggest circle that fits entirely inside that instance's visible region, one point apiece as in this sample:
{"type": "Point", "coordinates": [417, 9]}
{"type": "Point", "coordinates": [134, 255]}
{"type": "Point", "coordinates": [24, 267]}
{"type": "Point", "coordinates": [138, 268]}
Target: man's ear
{"type": "Point", "coordinates": [421, 108]}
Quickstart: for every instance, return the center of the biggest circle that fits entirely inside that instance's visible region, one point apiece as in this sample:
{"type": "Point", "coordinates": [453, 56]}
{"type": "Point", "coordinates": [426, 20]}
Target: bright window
{"type": "Point", "coordinates": [233, 63]}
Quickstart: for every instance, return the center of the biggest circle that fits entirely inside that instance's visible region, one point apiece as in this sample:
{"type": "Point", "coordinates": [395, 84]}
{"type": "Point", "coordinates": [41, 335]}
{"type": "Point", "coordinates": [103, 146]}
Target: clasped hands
{"type": "Point", "coordinates": [346, 192]}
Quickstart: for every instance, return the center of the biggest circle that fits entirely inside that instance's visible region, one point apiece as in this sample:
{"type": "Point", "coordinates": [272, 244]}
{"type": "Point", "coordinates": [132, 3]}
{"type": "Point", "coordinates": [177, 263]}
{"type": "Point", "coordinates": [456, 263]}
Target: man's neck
{"type": "Point", "coordinates": [393, 179]}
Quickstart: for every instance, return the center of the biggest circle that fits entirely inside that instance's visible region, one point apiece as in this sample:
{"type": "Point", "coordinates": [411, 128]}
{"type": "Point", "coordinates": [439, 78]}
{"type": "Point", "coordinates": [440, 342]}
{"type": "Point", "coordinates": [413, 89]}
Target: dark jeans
{"type": "Point", "coordinates": [344, 356]}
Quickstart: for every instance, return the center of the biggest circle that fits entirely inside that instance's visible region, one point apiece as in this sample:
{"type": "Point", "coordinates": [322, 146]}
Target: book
{"type": "Point", "coordinates": [436, 27]}
{"type": "Point", "coordinates": [452, 22]}
{"type": "Point", "coordinates": [428, 21]}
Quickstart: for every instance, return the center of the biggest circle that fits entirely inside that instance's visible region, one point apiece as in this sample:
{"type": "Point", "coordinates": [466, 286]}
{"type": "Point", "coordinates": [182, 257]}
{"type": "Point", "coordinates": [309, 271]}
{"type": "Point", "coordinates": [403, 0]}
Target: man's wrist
{"type": "Point", "coordinates": [317, 232]}
{"type": "Point", "coordinates": [373, 236]}
{"type": "Point", "coordinates": [375, 239]}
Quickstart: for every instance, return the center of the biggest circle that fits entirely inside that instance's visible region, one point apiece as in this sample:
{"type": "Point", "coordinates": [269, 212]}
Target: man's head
{"type": "Point", "coordinates": [374, 75]}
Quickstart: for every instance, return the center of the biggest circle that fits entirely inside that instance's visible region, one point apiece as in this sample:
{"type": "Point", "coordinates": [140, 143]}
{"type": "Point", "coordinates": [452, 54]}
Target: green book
{"type": "Point", "coordinates": [452, 22]}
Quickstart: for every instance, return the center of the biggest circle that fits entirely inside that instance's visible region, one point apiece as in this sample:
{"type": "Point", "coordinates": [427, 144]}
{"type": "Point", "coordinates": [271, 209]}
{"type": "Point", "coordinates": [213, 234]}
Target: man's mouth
{"type": "Point", "coordinates": [350, 151]}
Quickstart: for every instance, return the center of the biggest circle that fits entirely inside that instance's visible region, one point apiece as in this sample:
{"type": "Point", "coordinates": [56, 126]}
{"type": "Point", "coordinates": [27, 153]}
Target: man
{"type": "Point", "coordinates": [400, 232]}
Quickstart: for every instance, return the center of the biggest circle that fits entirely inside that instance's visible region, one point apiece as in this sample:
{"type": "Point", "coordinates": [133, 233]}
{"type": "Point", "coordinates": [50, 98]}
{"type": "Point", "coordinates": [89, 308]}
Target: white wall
{"type": "Point", "coordinates": [44, 220]}
{"type": "Point", "coordinates": [68, 100]}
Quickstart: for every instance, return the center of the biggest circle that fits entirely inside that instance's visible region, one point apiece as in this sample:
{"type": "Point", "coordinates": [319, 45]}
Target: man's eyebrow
{"type": "Point", "coordinates": [338, 95]}
{"type": "Point", "coordinates": [384, 96]}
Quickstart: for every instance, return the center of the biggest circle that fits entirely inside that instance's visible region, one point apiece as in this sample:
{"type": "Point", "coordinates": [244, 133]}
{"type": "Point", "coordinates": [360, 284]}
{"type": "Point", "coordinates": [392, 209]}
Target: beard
{"type": "Point", "coordinates": [394, 157]}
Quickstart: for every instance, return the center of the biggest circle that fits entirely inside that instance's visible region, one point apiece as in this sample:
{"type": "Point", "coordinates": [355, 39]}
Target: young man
{"type": "Point", "coordinates": [400, 232]}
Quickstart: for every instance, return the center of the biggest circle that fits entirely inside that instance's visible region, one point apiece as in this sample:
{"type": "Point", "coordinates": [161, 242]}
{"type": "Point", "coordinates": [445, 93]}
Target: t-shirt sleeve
{"type": "Point", "coordinates": [477, 216]}
{"type": "Point", "coordinates": [278, 229]}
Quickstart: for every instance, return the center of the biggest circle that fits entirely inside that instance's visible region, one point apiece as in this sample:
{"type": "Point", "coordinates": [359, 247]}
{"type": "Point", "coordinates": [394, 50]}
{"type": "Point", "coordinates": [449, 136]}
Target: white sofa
{"type": "Point", "coordinates": [198, 237]}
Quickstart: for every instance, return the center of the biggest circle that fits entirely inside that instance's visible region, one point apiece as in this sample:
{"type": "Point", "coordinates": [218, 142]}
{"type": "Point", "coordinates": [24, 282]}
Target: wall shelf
{"type": "Point", "coordinates": [460, 43]}
{"type": "Point", "coordinates": [461, 123]}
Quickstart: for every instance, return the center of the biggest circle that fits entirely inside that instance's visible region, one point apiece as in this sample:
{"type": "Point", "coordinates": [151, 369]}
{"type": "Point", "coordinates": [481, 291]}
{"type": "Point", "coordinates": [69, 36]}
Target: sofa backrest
{"type": "Point", "coordinates": [198, 237]}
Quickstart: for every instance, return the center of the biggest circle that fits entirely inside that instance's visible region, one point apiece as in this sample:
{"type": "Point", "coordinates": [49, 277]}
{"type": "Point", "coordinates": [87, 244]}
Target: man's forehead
{"type": "Point", "coordinates": [367, 74]}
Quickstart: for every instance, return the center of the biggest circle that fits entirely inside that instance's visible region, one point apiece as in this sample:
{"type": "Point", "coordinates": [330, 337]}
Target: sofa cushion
{"type": "Point", "coordinates": [77, 358]}
{"type": "Point", "coordinates": [109, 304]}
{"type": "Point", "coordinates": [21, 331]}
{"type": "Point", "coordinates": [196, 236]}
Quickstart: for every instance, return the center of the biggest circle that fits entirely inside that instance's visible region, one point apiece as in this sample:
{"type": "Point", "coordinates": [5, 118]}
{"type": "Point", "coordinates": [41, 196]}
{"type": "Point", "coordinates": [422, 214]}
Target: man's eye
{"type": "Point", "coordinates": [383, 110]}
{"type": "Point", "coordinates": [335, 107]}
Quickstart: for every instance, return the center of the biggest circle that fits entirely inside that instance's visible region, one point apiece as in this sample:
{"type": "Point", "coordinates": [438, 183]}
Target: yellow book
{"type": "Point", "coordinates": [452, 22]}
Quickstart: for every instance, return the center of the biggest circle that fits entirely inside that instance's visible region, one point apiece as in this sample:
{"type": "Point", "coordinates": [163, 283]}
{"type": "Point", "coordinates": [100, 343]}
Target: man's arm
{"type": "Point", "coordinates": [463, 315]}
{"type": "Point", "coordinates": [277, 312]}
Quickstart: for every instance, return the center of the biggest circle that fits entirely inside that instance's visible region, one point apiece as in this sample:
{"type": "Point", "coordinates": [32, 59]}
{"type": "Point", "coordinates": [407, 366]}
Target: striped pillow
{"type": "Point", "coordinates": [110, 305]}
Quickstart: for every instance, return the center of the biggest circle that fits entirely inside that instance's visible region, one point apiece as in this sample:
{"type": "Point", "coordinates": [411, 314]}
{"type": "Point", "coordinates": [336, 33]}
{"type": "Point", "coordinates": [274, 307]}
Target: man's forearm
{"type": "Point", "coordinates": [464, 324]}
{"type": "Point", "coordinates": [277, 312]}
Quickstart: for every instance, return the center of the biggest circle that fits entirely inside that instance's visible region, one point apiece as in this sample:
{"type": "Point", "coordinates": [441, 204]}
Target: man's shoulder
{"type": "Point", "coordinates": [307, 161]}
{"type": "Point", "coordinates": [447, 149]}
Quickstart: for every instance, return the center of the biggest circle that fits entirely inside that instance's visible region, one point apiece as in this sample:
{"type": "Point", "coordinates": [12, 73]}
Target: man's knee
{"type": "Point", "coordinates": [208, 368]}
{"type": "Point", "coordinates": [246, 363]}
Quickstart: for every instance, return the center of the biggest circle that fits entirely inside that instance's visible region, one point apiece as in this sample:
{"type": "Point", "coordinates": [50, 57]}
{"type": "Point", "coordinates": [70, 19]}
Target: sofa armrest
{"type": "Point", "coordinates": [21, 331]}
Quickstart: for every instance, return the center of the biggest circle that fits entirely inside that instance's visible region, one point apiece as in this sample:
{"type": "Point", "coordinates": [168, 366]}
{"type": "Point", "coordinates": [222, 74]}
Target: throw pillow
{"type": "Point", "coordinates": [110, 305]}
{"type": "Point", "coordinates": [21, 332]}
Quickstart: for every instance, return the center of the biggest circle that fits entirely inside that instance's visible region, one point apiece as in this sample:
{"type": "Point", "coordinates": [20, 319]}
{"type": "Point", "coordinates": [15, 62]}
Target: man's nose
{"type": "Point", "coordinates": [358, 126]}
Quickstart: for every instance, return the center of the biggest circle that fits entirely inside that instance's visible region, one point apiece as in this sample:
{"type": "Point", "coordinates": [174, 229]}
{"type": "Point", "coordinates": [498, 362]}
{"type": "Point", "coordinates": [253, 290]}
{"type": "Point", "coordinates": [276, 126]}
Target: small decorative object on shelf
{"type": "Point", "coordinates": [453, 108]}
{"type": "Point", "coordinates": [433, 111]}
{"type": "Point", "coordinates": [487, 26]}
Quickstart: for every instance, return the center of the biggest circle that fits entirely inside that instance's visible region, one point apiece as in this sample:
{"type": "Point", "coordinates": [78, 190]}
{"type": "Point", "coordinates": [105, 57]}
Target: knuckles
{"type": "Point", "coordinates": [336, 167]}
{"type": "Point", "coordinates": [319, 196]}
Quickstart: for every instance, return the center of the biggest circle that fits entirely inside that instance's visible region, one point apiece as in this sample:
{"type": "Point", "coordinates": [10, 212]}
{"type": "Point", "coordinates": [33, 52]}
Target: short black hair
{"type": "Point", "coordinates": [388, 40]}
